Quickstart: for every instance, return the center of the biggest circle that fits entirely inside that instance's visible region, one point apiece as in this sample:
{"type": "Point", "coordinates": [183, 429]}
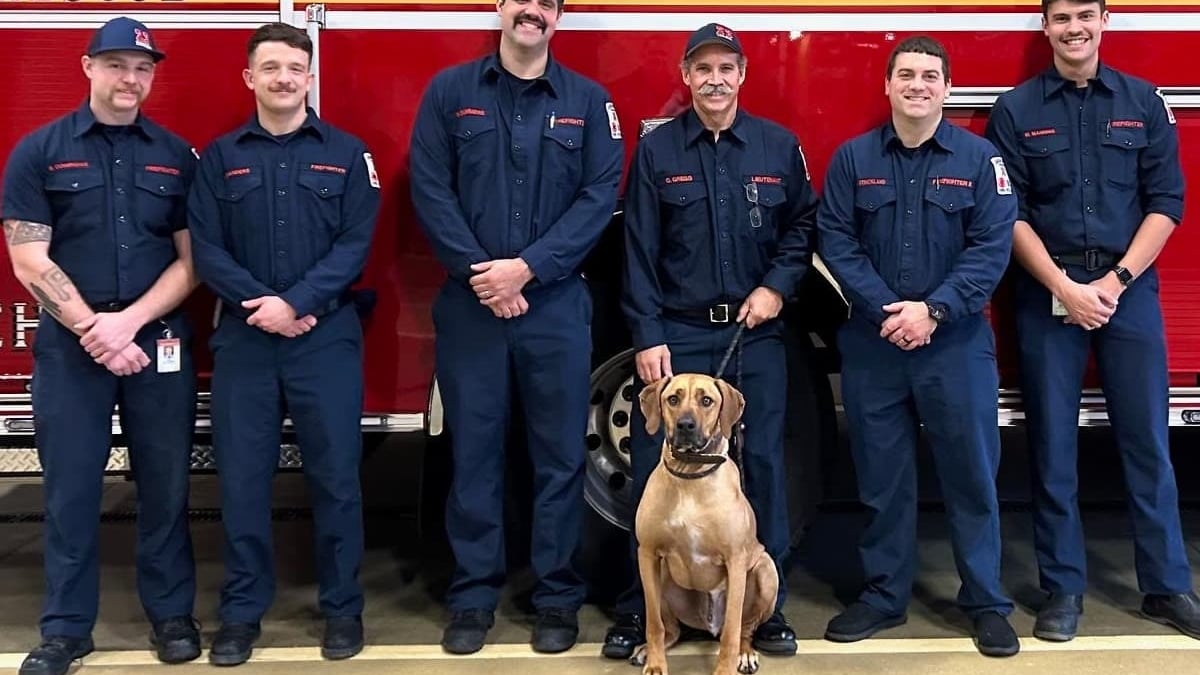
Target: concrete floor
{"type": "Point", "coordinates": [404, 614]}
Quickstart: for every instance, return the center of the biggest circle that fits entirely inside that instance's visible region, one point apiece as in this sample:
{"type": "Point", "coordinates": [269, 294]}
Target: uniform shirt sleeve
{"type": "Point", "coordinates": [432, 171]}
{"type": "Point", "coordinates": [214, 264]}
{"type": "Point", "coordinates": [987, 246]}
{"type": "Point", "coordinates": [1160, 177]}
{"type": "Point", "coordinates": [337, 269]}
{"type": "Point", "coordinates": [561, 250]}
{"type": "Point", "coordinates": [840, 247]}
{"type": "Point", "coordinates": [794, 253]}
{"type": "Point", "coordinates": [24, 188]}
{"type": "Point", "coordinates": [641, 294]}
{"type": "Point", "coordinates": [1002, 133]}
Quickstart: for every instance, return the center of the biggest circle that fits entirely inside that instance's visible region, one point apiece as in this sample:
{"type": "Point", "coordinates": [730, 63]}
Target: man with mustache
{"type": "Point", "coordinates": [515, 162]}
{"type": "Point", "coordinates": [718, 230]}
{"type": "Point", "coordinates": [1094, 156]}
{"type": "Point", "coordinates": [94, 216]}
{"type": "Point", "coordinates": [916, 225]}
{"type": "Point", "coordinates": [281, 214]}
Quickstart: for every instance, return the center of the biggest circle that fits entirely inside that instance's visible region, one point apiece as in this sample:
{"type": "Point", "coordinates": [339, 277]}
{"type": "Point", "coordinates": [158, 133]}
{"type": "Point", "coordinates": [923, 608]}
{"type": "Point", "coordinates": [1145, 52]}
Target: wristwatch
{"type": "Point", "coordinates": [1123, 275]}
{"type": "Point", "coordinates": [936, 312]}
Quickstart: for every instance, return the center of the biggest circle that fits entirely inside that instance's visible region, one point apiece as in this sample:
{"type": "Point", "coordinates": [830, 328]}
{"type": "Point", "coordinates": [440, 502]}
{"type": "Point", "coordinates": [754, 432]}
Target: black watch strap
{"type": "Point", "coordinates": [1123, 275]}
{"type": "Point", "coordinates": [937, 311]}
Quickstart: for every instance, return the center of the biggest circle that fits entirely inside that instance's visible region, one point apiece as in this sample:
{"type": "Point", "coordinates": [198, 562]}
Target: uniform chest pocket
{"type": "Point", "coordinates": [1048, 162]}
{"type": "Point", "coordinates": [947, 209]}
{"type": "Point", "coordinates": [158, 196]}
{"type": "Point", "coordinates": [764, 203]}
{"type": "Point", "coordinates": [74, 196]}
{"type": "Point", "coordinates": [1120, 149]}
{"type": "Point", "coordinates": [474, 141]}
{"type": "Point", "coordinates": [683, 199]}
{"type": "Point", "coordinates": [238, 186]}
{"type": "Point", "coordinates": [562, 160]}
{"type": "Point", "coordinates": [322, 199]}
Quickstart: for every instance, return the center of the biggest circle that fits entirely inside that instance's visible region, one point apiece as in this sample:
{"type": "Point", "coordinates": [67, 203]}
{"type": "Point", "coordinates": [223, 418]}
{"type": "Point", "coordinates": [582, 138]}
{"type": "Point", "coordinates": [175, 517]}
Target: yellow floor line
{"type": "Point", "coordinates": [592, 650]}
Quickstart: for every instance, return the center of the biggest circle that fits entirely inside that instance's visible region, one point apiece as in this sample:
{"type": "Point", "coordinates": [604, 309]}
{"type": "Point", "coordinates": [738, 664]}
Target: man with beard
{"type": "Point", "coordinates": [515, 164]}
{"type": "Point", "coordinates": [916, 225]}
{"type": "Point", "coordinates": [282, 213]}
{"type": "Point", "coordinates": [1094, 157]}
{"type": "Point", "coordinates": [94, 216]}
{"type": "Point", "coordinates": [717, 233]}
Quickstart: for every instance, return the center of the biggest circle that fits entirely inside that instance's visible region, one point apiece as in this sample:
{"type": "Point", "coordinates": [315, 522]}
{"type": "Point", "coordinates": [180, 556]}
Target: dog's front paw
{"type": "Point", "coordinates": [652, 668]}
{"type": "Point", "coordinates": [748, 662]}
{"type": "Point", "coordinates": [639, 656]}
{"type": "Point", "coordinates": [650, 665]}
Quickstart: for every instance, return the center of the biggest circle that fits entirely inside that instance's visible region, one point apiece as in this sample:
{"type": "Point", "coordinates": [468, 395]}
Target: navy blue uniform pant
{"type": "Point", "coordinates": [951, 387]}
{"type": "Point", "coordinates": [316, 379]}
{"type": "Point", "coordinates": [73, 399]}
{"type": "Point", "coordinates": [544, 355]}
{"type": "Point", "coordinates": [699, 349]}
{"type": "Point", "coordinates": [1131, 356]}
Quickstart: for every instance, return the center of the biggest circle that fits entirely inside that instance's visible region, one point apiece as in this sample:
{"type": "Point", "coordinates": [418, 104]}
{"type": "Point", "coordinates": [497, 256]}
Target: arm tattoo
{"type": "Point", "coordinates": [58, 282]}
{"type": "Point", "coordinates": [47, 302]}
{"type": "Point", "coordinates": [22, 232]}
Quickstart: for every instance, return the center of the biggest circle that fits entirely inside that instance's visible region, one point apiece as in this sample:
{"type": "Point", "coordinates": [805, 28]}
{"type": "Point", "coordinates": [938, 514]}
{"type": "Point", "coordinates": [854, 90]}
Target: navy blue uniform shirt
{"type": "Point", "coordinates": [931, 224]}
{"type": "Point", "coordinates": [503, 168]}
{"type": "Point", "coordinates": [707, 222]}
{"type": "Point", "coordinates": [1089, 163]}
{"type": "Point", "coordinates": [290, 216]}
{"type": "Point", "coordinates": [113, 196]}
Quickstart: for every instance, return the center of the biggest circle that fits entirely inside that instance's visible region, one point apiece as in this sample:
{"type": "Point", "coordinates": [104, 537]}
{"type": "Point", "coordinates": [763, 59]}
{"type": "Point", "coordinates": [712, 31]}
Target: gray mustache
{"type": "Point", "coordinates": [714, 90]}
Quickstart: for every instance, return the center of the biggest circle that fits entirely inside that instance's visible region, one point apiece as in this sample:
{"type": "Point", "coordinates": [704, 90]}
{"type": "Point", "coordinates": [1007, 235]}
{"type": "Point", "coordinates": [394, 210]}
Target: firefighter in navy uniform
{"type": "Point", "coordinates": [916, 225]}
{"type": "Point", "coordinates": [515, 162]}
{"type": "Point", "coordinates": [95, 220]}
{"type": "Point", "coordinates": [719, 221]}
{"type": "Point", "coordinates": [281, 214]}
{"type": "Point", "coordinates": [1094, 159]}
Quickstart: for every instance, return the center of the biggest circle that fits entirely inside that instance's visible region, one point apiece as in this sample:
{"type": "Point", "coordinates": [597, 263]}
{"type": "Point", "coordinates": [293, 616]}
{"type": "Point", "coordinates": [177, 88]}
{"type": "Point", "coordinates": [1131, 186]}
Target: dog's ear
{"type": "Point", "coordinates": [651, 401]}
{"type": "Point", "coordinates": [732, 405]}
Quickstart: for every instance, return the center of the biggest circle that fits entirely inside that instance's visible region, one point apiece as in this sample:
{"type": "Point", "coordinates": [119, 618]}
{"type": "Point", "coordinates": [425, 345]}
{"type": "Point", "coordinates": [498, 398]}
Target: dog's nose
{"type": "Point", "coordinates": [686, 424]}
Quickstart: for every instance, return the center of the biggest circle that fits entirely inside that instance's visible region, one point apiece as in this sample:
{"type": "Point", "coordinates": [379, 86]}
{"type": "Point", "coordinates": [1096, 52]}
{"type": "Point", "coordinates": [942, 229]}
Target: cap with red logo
{"type": "Point", "coordinates": [124, 34]}
{"type": "Point", "coordinates": [713, 34]}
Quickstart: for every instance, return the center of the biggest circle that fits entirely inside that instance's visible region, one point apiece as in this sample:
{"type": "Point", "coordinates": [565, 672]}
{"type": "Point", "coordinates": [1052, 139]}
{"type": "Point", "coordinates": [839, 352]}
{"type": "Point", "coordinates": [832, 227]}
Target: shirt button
{"type": "Point", "coordinates": [724, 263]}
{"type": "Point", "coordinates": [1085, 151]}
{"type": "Point", "coordinates": [281, 253]}
{"type": "Point", "coordinates": [120, 190]}
{"type": "Point", "coordinates": [571, 141]}
{"type": "Point", "coordinates": [281, 192]}
{"type": "Point", "coordinates": [1128, 142]}
{"type": "Point", "coordinates": [118, 161]}
{"type": "Point", "coordinates": [516, 215]}
{"type": "Point", "coordinates": [724, 235]}
{"type": "Point", "coordinates": [682, 199]}
{"type": "Point", "coordinates": [283, 165]}
{"type": "Point", "coordinates": [907, 244]}
{"type": "Point", "coordinates": [520, 181]}
{"type": "Point", "coordinates": [75, 184]}
{"type": "Point", "coordinates": [280, 223]}
{"type": "Point", "coordinates": [125, 246]}
{"type": "Point", "coordinates": [870, 205]}
{"type": "Point", "coordinates": [518, 118]}
{"type": "Point", "coordinates": [1087, 181]}
{"type": "Point", "coordinates": [120, 219]}
{"type": "Point", "coordinates": [1084, 123]}
{"type": "Point", "coordinates": [324, 191]}
{"type": "Point", "coordinates": [722, 201]}
{"type": "Point", "coordinates": [908, 212]}
{"type": "Point", "coordinates": [907, 277]}
{"type": "Point", "coordinates": [468, 133]}
{"type": "Point", "coordinates": [1090, 209]}
{"type": "Point", "coordinates": [911, 181]}
{"type": "Point", "coordinates": [721, 171]}
{"type": "Point", "coordinates": [516, 148]}
{"type": "Point", "coordinates": [162, 188]}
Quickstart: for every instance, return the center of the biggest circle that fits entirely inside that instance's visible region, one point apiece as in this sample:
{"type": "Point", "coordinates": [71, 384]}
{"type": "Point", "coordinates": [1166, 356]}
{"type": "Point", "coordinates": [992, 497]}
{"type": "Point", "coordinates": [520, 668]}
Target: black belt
{"type": "Point", "coordinates": [1092, 259]}
{"type": "Point", "coordinates": [109, 306]}
{"type": "Point", "coordinates": [720, 315]}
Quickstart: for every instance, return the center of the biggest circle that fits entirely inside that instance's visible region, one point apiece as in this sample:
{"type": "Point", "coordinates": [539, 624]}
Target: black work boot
{"type": "Point", "coordinates": [860, 621]}
{"type": "Point", "coordinates": [467, 630]}
{"type": "Point", "coordinates": [233, 644]}
{"type": "Point", "coordinates": [994, 636]}
{"type": "Point", "coordinates": [343, 637]}
{"type": "Point", "coordinates": [555, 630]}
{"type": "Point", "coordinates": [55, 655]}
{"type": "Point", "coordinates": [176, 640]}
{"type": "Point", "coordinates": [775, 637]}
{"type": "Point", "coordinates": [1181, 611]}
{"type": "Point", "coordinates": [1058, 619]}
{"type": "Point", "coordinates": [624, 636]}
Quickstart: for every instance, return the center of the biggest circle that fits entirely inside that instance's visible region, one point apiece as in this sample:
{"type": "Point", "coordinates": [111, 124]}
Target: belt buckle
{"type": "Point", "coordinates": [1091, 259]}
{"type": "Point", "coordinates": [718, 313]}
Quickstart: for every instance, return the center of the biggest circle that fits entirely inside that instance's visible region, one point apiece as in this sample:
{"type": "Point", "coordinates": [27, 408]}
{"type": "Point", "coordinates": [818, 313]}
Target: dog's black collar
{"type": "Point", "coordinates": [702, 457]}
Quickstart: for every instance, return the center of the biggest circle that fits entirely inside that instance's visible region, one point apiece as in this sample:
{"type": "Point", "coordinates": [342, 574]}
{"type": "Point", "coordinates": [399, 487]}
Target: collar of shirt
{"type": "Point", "coordinates": [551, 80]}
{"type": "Point", "coordinates": [85, 121]}
{"type": "Point", "coordinates": [312, 125]}
{"type": "Point", "coordinates": [1053, 82]}
{"type": "Point", "coordinates": [941, 137]}
{"type": "Point", "coordinates": [693, 128]}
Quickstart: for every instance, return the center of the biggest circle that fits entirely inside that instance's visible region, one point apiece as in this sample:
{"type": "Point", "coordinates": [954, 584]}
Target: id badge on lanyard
{"type": "Point", "coordinates": [169, 356]}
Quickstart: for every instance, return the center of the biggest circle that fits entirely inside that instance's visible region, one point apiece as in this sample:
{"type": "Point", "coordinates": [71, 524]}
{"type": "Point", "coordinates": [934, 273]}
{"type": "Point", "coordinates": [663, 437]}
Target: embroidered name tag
{"type": "Point", "coordinates": [237, 172]}
{"type": "Point", "coordinates": [686, 178]}
{"type": "Point", "coordinates": [471, 112]}
{"type": "Point", "coordinates": [328, 168]}
{"type": "Point", "coordinates": [570, 121]}
{"type": "Point", "coordinates": [168, 170]}
{"type": "Point", "coordinates": [864, 182]}
{"type": "Point", "coordinates": [1034, 133]}
{"type": "Point", "coordinates": [956, 182]}
{"type": "Point", "coordinates": [1127, 124]}
{"type": "Point", "coordinates": [69, 165]}
{"type": "Point", "coordinates": [766, 180]}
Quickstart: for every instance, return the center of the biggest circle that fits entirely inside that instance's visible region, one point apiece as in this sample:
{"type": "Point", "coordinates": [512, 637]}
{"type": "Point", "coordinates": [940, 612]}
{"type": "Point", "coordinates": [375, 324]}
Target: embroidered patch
{"type": "Point", "coordinates": [614, 123]}
{"type": "Point", "coordinates": [570, 121]}
{"type": "Point", "coordinates": [244, 171]}
{"type": "Point", "coordinates": [471, 112]}
{"type": "Point", "coordinates": [68, 165]}
{"type": "Point", "coordinates": [371, 175]}
{"type": "Point", "coordinates": [1003, 185]}
{"type": "Point", "coordinates": [723, 32]}
{"type": "Point", "coordinates": [328, 168]}
{"type": "Point", "coordinates": [169, 170]}
{"type": "Point", "coordinates": [1034, 133]}
{"type": "Point", "coordinates": [1166, 106]}
{"type": "Point", "coordinates": [686, 178]}
{"type": "Point", "coordinates": [141, 38]}
{"type": "Point", "coordinates": [1127, 124]}
{"type": "Point", "coordinates": [956, 182]}
{"type": "Point", "coordinates": [767, 180]}
{"type": "Point", "coordinates": [864, 182]}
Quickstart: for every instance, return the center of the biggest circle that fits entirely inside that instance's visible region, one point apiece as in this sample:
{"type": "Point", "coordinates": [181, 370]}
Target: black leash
{"type": "Point", "coordinates": [736, 439]}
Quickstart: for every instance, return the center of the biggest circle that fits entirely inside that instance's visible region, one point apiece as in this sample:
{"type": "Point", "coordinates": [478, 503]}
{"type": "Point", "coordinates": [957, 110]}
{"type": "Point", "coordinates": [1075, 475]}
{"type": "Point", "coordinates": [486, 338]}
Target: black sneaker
{"type": "Point", "coordinates": [55, 655]}
{"type": "Point", "coordinates": [176, 640]}
{"type": "Point", "coordinates": [1182, 611]}
{"type": "Point", "coordinates": [555, 630]}
{"type": "Point", "coordinates": [775, 637]}
{"type": "Point", "coordinates": [860, 621]}
{"type": "Point", "coordinates": [994, 636]}
{"type": "Point", "coordinates": [1058, 619]}
{"type": "Point", "coordinates": [624, 636]}
{"type": "Point", "coordinates": [467, 631]}
{"type": "Point", "coordinates": [233, 644]}
{"type": "Point", "coordinates": [343, 637]}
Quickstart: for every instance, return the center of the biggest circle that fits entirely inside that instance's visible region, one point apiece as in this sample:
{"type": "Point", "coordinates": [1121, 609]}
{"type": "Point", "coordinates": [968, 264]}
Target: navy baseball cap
{"type": "Point", "coordinates": [713, 34]}
{"type": "Point", "coordinates": [124, 34]}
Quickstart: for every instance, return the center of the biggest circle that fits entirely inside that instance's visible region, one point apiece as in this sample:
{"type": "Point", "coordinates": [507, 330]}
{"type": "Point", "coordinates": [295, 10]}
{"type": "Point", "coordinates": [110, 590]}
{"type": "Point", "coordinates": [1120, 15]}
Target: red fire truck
{"type": "Point", "coordinates": [816, 66]}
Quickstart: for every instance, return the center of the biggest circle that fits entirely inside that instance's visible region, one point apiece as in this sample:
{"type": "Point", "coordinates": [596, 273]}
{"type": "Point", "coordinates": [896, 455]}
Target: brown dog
{"type": "Point", "coordinates": [699, 558]}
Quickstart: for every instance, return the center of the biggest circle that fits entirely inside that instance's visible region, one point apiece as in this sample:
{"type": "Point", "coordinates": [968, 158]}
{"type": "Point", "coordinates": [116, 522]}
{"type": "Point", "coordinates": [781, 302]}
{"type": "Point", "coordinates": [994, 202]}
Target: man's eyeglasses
{"type": "Point", "coordinates": [755, 211]}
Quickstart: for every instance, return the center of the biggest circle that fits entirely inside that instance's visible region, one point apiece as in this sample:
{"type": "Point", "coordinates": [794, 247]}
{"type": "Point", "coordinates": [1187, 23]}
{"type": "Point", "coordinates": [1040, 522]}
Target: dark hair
{"type": "Point", "coordinates": [280, 32]}
{"type": "Point", "coordinates": [920, 44]}
{"type": "Point", "coordinates": [1046, 5]}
